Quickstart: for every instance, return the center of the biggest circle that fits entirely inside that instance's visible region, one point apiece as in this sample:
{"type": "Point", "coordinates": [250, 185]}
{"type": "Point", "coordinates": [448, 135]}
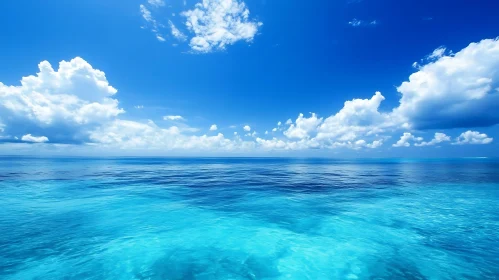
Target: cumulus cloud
{"type": "Point", "coordinates": [472, 137]}
{"type": "Point", "coordinates": [455, 90]}
{"type": "Point", "coordinates": [439, 138]}
{"type": "Point", "coordinates": [66, 102]}
{"type": "Point", "coordinates": [303, 127]}
{"type": "Point", "coordinates": [34, 139]}
{"type": "Point", "coordinates": [173, 118]}
{"type": "Point", "coordinates": [289, 121]}
{"type": "Point", "coordinates": [216, 24]}
{"type": "Point", "coordinates": [405, 138]}
{"type": "Point", "coordinates": [247, 128]}
{"type": "Point", "coordinates": [357, 118]}
{"type": "Point", "coordinates": [136, 135]}
{"type": "Point", "coordinates": [213, 127]}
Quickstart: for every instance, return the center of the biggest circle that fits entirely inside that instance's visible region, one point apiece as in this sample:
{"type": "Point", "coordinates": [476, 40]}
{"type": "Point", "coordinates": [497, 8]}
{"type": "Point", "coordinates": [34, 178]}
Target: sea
{"type": "Point", "coordinates": [248, 218]}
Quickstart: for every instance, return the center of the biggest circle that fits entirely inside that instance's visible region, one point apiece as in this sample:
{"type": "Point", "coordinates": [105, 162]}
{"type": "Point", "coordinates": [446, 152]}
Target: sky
{"type": "Point", "coordinates": [334, 78]}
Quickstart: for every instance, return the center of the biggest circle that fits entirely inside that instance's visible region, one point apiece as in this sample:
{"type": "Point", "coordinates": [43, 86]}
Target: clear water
{"type": "Point", "coordinates": [248, 219]}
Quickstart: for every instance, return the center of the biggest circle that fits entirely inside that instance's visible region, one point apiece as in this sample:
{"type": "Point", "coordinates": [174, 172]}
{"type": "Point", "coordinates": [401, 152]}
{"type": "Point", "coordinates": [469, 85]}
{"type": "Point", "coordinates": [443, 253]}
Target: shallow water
{"type": "Point", "coordinates": [145, 218]}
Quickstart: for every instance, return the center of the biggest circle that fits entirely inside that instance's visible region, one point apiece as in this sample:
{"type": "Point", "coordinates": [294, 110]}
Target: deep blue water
{"type": "Point", "coordinates": [140, 218]}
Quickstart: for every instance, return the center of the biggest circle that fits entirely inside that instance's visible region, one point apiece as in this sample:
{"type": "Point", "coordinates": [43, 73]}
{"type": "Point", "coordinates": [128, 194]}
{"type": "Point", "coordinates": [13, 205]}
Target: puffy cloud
{"type": "Point", "coordinates": [65, 102]}
{"type": "Point", "coordinates": [266, 132]}
{"type": "Point", "coordinates": [303, 127]}
{"type": "Point", "coordinates": [247, 128]}
{"type": "Point", "coordinates": [176, 32]}
{"type": "Point", "coordinates": [156, 3]}
{"type": "Point", "coordinates": [135, 135]}
{"type": "Point", "coordinates": [375, 144]}
{"type": "Point", "coordinates": [173, 118]}
{"type": "Point", "coordinates": [279, 124]}
{"type": "Point", "coordinates": [405, 138]}
{"type": "Point", "coordinates": [217, 24]}
{"type": "Point", "coordinates": [473, 137]}
{"type": "Point", "coordinates": [251, 134]}
{"type": "Point", "coordinates": [439, 138]}
{"type": "Point", "coordinates": [213, 127]}
{"type": "Point", "coordinates": [34, 139]}
{"type": "Point", "coordinates": [289, 121]}
{"type": "Point", "coordinates": [358, 117]}
{"type": "Point", "coordinates": [274, 129]}
{"type": "Point", "coordinates": [456, 90]}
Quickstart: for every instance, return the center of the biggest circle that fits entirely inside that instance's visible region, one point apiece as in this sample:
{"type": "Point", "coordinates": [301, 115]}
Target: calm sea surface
{"type": "Point", "coordinates": [219, 218]}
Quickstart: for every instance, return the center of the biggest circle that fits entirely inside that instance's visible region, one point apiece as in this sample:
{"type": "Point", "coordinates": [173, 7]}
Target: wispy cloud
{"type": "Point", "coordinates": [176, 32]}
{"type": "Point", "coordinates": [156, 3]}
{"type": "Point", "coordinates": [357, 22]}
{"type": "Point", "coordinates": [154, 25]}
{"type": "Point", "coordinates": [173, 118]}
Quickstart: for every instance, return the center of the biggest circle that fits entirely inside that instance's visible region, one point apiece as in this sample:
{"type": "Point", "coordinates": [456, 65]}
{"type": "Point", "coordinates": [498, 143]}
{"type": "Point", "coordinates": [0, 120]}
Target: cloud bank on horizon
{"type": "Point", "coordinates": [75, 104]}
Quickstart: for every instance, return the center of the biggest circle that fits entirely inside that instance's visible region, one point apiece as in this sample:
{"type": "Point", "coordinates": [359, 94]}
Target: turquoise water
{"type": "Point", "coordinates": [139, 218]}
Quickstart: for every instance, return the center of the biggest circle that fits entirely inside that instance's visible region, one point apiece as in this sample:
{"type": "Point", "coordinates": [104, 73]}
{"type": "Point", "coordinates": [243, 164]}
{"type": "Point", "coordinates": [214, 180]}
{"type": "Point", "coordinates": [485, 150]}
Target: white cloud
{"type": "Point", "coordinates": [154, 25]}
{"type": "Point", "coordinates": [34, 139]}
{"type": "Point", "coordinates": [453, 91]}
{"type": "Point", "coordinates": [278, 144]}
{"type": "Point", "coordinates": [289, 121]}
{"type": "Point", "coordinates": [173, 118]}
{"type": "Point", "coordinates": [279, 124]}
{"type": "Point", "coordinates": [68, 101]}
{"type": "Point", "coordinates": [357, 118]}
{"type": "Point", "coordinates": [134, 135]}
{"type": "Point", "coordinates": [472, 137]}
{"type": "Point", "coordinates": [247, 128]}
{"type": "Point", "coordinates": [355, 22]}
{"type": "Point", "coordinates": [249, 134]}
{"type": "Point", "coordinates": [217, 24]}
{"type": "Point", "coordinates": [235, 132]}
{"type": "Point", "coordinates": [139, 107]}
{"type": "Point", "coordinates": [375, 144]}
{"type": "Point", "coordinates": [176, 32]}
{"type": "Point", "coordinates": [303, 127]}
{"type": "Point", "coordinates": [146, 14]}
{"type": "Point", "coordinates": [439, 138]}
{"type": "Point", "coordinates": [266, 132]}
{"type": "Point", "coordinates": [156, 3]}
{"type": "Point", "coordinates": [274, 129]}
{"type": "Point", "coordinates": [213, 127]}
{"type": "Point", "coordinates": [405, 138]}
{"type": "Point", "coordinates": [160, 38]}
{"type": "Point", "coordinates": [437, 53]}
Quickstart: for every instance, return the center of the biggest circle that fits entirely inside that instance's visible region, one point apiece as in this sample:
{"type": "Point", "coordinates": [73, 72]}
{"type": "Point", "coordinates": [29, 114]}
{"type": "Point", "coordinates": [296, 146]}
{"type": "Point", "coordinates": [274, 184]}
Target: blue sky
{"type": "Point", "coordinates": [152, 77]}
